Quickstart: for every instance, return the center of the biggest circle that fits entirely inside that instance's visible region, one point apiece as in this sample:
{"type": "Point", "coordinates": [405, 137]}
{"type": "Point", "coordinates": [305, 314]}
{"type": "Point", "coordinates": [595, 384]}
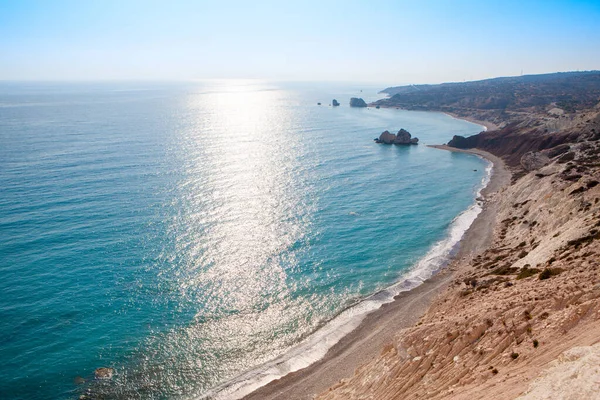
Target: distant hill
{"type": "Point", "coordinates": [569, 91]}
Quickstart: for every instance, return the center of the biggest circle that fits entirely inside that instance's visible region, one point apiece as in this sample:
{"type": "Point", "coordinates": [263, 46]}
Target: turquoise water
{"type": "Point", "coordinates": [186, 234]}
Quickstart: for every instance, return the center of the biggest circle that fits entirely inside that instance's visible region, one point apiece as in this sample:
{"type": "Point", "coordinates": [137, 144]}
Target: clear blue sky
{"type": "Point", "coordinates": [368, 41]}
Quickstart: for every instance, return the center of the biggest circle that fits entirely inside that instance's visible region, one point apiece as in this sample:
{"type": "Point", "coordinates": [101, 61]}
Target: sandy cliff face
{"type": "Point", "coordinates": [514, 309]}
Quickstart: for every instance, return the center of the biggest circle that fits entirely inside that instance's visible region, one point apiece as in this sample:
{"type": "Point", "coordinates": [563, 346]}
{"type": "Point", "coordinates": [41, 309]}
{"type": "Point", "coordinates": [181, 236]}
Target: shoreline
{"type": "Point", "coordinates": [378, 328]}
{"type": "Point", "coordinates": [489, 126]}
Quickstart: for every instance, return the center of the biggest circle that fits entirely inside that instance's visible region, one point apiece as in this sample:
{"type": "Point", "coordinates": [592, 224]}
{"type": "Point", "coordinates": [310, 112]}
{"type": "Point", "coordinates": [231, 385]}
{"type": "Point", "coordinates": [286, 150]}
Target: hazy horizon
{"type": "Point", "coordinates": [388, 43]}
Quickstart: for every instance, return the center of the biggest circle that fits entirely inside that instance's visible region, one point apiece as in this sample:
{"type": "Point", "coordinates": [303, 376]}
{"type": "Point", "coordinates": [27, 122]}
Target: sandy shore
{"type": "Point", "coordinates": [365, 343]}
{"type": "Point", "coordinates": [489, 126]}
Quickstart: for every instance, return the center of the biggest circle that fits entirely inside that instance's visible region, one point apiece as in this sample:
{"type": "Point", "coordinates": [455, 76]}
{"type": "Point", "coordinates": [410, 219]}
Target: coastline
{"type": "Point", "coordinates": [489, 126]}
{"type": "Point", "coordinates": [378, 328]}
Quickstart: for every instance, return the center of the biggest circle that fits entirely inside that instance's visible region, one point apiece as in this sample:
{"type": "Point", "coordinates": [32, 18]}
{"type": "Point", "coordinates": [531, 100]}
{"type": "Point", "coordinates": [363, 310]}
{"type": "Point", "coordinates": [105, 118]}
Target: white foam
{"type": "Point", "coordinates": [316, 345]}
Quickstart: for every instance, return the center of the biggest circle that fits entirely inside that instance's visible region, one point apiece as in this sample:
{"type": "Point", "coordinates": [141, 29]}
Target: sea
{"type": "Point", "coordinates": [203, 238]}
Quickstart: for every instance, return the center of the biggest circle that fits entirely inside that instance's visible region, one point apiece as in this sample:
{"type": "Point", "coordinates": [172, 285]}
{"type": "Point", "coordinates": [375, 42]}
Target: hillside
{"type": "Point", "coordinates": [569, 91]}
{"type": "Point", "coordinates": [521, 319]}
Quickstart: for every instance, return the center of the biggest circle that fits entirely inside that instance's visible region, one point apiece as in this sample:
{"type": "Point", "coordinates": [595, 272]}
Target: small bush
{"type": "Point", "coordinates": [566, 158]}
{"type": "Point", "coordinates": [526, 272]}
{"type": "Point", "coordinates": [514, 355]}
{"type": "Point", "coordinates": [522, 254]}
{"type": "Point", "coordinates": [548, 273]}
{"type": "Point", "coordinates": [535, 343]}
{"type": "Point", "coordinates": [504, 270]}
{"type": "Point", "coordinates": [495, 371]}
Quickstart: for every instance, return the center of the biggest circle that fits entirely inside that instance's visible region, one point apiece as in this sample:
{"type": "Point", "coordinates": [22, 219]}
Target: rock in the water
{"type": "Point", "coordinates": [318, 104]}
{"type": "Point", "coordinates": [78, 380]}
{"type": "Point", "coordinates": [335, 103]}
{"type": "Point", "coordinates": [357, 102]}
{"type": "Point", "coordinates": [534, 160]}
{"type": "Point", "coordinates": [387, 138]}
{"type": "Point", "coordinates": [403, 137]}
{"type": "Point", "coordinates": [104, 373]}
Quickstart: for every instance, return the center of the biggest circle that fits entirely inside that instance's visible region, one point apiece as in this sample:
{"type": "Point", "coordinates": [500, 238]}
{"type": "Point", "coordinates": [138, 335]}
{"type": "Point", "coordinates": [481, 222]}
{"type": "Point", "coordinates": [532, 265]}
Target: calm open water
{"type": "Point", "coordinates": [186, 234]}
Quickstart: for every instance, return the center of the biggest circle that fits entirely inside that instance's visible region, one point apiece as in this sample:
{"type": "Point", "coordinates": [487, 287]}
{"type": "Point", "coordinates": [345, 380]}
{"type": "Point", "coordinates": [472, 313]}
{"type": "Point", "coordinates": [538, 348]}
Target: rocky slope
{"type": "Point", "coordinates": [526, 308]}
{"type": "Point", "coordinates": [535, 132]}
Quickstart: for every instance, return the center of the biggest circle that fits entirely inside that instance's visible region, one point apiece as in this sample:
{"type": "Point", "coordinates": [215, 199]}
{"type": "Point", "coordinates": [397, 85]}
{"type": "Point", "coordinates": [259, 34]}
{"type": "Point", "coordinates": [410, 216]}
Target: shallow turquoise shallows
{"type": "Point", "coordinates": [187, 234]}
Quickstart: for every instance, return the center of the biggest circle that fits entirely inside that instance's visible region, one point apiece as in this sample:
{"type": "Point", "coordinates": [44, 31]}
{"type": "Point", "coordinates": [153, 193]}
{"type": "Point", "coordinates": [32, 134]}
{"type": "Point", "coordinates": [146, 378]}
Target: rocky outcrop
{"type": "Point", "coordinates": [104, 373]}
{"type": "Point", "coordinates": [386, 137]}
{"type": "Point", "coordinates": [402, 137]}
{"type": "Point", "coordinates": [357, 102]}
{"type": "Point", "coordinates": [511, 142]}
{"type": "Point", "coordinates": [534, 160]}
{"type": "Point", "coordinates": [335, 103]}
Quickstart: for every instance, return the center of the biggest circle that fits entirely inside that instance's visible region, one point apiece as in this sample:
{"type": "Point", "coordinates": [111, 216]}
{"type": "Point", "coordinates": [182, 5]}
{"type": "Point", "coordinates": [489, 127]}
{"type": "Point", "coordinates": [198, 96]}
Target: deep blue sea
{"type": "Point", "coordinates": [188, 234]}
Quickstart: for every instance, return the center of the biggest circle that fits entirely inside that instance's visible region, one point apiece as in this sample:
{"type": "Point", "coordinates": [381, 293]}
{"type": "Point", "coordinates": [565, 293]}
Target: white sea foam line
{"type": "Point", "coordinates": [461, 119]}
{"type": "Point", "coordinates": [316, 345]}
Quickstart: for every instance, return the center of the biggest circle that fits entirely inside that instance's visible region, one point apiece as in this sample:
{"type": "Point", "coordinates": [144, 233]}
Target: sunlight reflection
{"type": "Point", "coordinates": [250, 215]}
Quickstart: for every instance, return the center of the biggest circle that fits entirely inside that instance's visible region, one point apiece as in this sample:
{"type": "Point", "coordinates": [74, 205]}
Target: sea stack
{"type": "Point", "coordinates": [402, 137]}
{"type": "Point", "coordinates": [335, 103]}
{"type": "Point", "coordinates": [357, 102]}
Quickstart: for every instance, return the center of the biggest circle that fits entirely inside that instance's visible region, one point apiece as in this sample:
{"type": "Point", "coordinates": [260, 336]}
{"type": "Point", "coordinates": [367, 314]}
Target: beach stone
{"type": "Point", "coordinates": [104, 373]}
{"type": "Point", "coordinates": [534, 160]}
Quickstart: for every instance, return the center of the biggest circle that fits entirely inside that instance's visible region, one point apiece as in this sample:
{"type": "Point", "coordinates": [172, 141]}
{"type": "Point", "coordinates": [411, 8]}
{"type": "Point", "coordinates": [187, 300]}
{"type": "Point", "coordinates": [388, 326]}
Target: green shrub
{"type": "Point", "coordinates": [504, 270]}
{"type": "Point", "coordinates": [526, 272]}
{"type": "Point", "coordinates": [522, 254]}
{"type": "Point", "coordinates": [549, 272]}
